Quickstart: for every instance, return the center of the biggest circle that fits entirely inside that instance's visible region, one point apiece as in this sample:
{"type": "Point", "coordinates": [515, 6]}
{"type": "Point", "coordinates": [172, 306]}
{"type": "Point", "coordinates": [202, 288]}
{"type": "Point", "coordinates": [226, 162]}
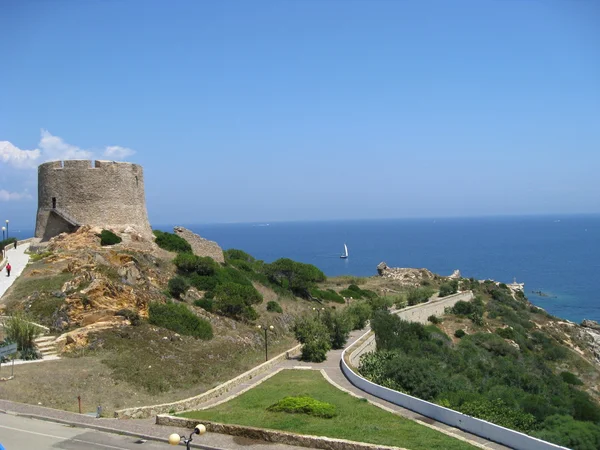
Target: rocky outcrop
{"type": "Point", "coordinates": [406, 276]}
{"type": "Point", "coordinates": [201, 246]}
{"type": "Point", "coordinates": [591, 324]}
{"type": "Point", "coordinates": [455, 275]}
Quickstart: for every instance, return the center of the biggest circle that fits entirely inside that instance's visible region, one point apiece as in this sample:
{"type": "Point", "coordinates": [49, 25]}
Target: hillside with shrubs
{"type": "Point", "coordinates": [498, 358]}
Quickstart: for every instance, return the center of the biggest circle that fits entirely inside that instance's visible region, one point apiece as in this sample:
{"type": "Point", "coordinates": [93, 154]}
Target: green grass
{"type": "Point", "coordinates": [26, 286]}
{"type": "Point", "coordinates": [357, 420]}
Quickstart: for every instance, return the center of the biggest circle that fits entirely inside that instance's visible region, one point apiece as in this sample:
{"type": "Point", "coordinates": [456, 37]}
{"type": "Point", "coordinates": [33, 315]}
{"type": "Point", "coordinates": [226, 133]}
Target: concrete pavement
{"type": "Point", "coordinates": [18, 259]}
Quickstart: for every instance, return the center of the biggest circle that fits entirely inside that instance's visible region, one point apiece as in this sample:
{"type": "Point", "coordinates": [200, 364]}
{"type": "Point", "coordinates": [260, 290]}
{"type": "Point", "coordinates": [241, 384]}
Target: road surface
{"type": "Point", "coordinates": [18, 259]}
{"type": "Point", "coordinates": [20, 433]}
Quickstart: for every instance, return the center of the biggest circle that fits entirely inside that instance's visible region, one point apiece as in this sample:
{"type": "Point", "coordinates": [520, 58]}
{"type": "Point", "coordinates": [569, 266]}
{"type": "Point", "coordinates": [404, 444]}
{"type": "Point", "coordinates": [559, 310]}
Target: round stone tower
{"type": "Point", "coordinates": [106, 194]}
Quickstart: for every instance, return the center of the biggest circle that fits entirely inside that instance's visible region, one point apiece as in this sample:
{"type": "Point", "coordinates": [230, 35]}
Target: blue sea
{"type": "Point", "coordinates": [559, 256]}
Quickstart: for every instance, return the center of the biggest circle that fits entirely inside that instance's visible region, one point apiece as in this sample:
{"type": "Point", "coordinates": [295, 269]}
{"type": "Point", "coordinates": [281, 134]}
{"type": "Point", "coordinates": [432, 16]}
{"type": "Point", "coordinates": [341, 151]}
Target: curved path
{"type": "Point", "coordinates": [18, 259]}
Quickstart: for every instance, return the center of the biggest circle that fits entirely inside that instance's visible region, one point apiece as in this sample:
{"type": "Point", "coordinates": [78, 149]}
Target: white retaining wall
{"type": "Point", "coordinates": [478, 427]}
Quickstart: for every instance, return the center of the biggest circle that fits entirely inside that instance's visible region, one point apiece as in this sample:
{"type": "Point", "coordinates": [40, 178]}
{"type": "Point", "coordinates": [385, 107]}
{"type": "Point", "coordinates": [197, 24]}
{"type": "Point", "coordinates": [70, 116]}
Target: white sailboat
{"type": "Point", "coordinates": [345, 255]}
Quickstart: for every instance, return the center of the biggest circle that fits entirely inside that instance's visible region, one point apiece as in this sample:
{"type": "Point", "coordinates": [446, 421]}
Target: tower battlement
{"type": "Point", "coordinates": [106, 194]}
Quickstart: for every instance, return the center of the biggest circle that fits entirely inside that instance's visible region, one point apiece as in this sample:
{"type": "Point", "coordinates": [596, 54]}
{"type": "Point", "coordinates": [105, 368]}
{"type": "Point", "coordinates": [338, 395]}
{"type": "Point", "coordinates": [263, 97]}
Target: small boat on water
{"type": "Point", "coordinates": [345, 254]}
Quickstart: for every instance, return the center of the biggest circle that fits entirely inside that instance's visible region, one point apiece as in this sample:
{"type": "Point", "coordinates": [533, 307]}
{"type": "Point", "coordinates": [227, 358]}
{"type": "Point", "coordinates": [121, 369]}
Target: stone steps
{"type": "Point", "coordinates": [46, 346]}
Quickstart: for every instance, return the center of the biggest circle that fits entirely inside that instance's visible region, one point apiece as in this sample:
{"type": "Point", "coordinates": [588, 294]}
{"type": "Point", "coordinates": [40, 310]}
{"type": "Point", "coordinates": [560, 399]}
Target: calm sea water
{"type": "Point", "coordinates": [559, 256]}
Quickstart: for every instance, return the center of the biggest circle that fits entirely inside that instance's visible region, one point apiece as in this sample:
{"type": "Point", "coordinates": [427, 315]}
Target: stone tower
{"type": "Point", "coordinates": [106, 194]}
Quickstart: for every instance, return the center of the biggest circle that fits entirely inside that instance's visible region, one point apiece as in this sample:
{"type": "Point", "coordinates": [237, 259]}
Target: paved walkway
{"type": "Point", "coordinates": [18, 259]}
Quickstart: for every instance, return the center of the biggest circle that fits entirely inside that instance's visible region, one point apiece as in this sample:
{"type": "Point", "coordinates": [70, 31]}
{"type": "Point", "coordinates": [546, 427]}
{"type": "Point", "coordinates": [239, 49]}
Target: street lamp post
{"type": "Point", "coordinates": [318, 310]}
{"type": "Point", "coordinates": [266, 329]}
{"type": "Point", "coordinates": [3, 233]}
{"type": "Point", "coordinates": [6, 228]}
{"type": "Point", "coordinates": [175, 439]}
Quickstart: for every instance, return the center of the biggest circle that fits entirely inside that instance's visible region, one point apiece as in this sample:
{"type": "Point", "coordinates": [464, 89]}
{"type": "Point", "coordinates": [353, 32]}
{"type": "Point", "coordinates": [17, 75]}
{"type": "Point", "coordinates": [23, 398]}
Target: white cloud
{"type": "Point", "coordinates": [6, 196]}
{"type": "Point", "coordinates": [54, 148]}
{"type": "Point", "coordinates": [118, 152]}
{"type": "Point", "coordinates": [14, 156]}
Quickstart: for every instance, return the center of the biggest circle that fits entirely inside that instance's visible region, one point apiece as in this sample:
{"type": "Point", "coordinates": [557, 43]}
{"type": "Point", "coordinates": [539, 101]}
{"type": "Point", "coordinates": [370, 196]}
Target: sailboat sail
{"type": "Point", "coordinates": [345, 255]}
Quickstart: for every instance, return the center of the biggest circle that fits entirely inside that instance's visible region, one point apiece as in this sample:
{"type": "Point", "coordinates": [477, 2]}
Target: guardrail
{"type": "Point", "coordinates": [478, 427]}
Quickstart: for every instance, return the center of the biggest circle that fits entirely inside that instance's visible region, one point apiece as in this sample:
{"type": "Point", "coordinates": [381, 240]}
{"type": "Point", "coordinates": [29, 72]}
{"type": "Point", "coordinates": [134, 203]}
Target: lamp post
{"type": "Point", "coordinates": [266, 329]}
{"type": "Point", "coordinates": [6, 228]}
{"type": "Point", "coordinates": [318, 310]}
{"type": "Point", "coordinates": [3, 233]}
{"type": "Point", "coordinates": [175, 439]}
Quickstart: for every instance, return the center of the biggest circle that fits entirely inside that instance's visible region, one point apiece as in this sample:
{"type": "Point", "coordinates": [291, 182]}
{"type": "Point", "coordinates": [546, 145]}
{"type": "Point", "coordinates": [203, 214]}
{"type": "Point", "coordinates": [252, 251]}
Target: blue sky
{"type": "Point", "coordinates": [303, 110]}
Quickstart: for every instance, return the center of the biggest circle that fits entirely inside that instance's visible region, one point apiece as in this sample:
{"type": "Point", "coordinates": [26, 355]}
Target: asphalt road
{"type": "Point", "coordinates": [19, 433]}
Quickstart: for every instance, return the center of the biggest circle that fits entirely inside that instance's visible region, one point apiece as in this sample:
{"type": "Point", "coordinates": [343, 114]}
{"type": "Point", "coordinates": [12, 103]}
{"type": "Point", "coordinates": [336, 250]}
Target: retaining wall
{"type": "Point", "coordinates": [143, 412]}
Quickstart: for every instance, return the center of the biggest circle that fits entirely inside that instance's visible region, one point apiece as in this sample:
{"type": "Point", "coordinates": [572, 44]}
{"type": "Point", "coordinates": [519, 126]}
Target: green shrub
{"type": "Point", "coordinates": [448, 288]}
{"type": "Point", "coordinates": [203, 282]}
{"type": "Point", "coordinates": [496, 411]}
{"type": "Point", "coordinates": [434, 319]}
{"type": "Point", "coordinates": [295, 276]}
{"type": "Point", "coordinates": [236, 300]}
{"type": "Point", "coordinates": [327, 295]}
{"type": "Point", "coordinates": [506, 333]}
{"type": "Point", "coordinates": [459, 333]}
{"type": "Point", "coordinates": [233, 254]}
{"type": "Point", "coordinates": [178, 286]}
{"type": "Point", "coordinates": [571, 378]}
{"type": "Point", "coordinates": [360, 312]}
{"type": "Point", "coordinates": [273, 306]}
{"type": "Point", "coordinates": [419, 295]}
{"type": "Point", "coordinates": [107, 237]}
{"type": "Point", "coordinates": [205, 303]}
{"type": "Point", "coordinates": [568, 432]}
{"type": "Point", "coordinates": [188, 263]}
{"type": "Point", "coordinates": [19, 329]}
{"type": "Point", "coordinates": [178, 318]}
{"type": "Point", "coordinates": [314, 337]}
{"type": "Point", "coordinates": [172, 242]}
{"type": "Point", "coordinates": [339, 325]}
{"type": "Point", "coordinates": [130, 315]}
{"type": "Point", "coordinates": [304, 405]}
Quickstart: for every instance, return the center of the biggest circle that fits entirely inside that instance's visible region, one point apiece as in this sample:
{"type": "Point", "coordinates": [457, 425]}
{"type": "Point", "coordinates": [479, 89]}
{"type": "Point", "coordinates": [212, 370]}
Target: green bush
{"type": "Point", "coordinates": [448, 288]}
{"type": "Point", "coordinates": [419, 295]}
{"type": "Point", "coordinates": [204, 303]}
{"type": "Point", "coordinates": [233, 254]}
{"type": "Point", "coordinates": [327, 295]}
{"type": "Point", "coordinates": [568, 432]}
{"type": "Point", "coordinates": [203, 282]}
{"type": "Point", "coordinates": [339, 325]}
{"type": "Point", "coordinates": [19, 329]}
{"type": "Point", "coordinates": [571, 378]}
{"type": "Point", "coordinates": [236, 300]}
{"type": "Point", "coordinates": [506, 333]}
{"type": "Point", "coordinates": [188, 264]}
{"type": "Point", "coordinates": [459, 333]}
{"type": "Point", "coordinates": [273, 306]}
{"type": "Point", "coordinates": [314, 337]}
{"type": "Point", "coordinates": [434, 319]}
{"type": "Point", "coordinates": [178, 286]}
{"type": "Point", "coordinates": [172, 242]}
{"type": "Point", "coordinates": [360, 312]}
{"type": "Point", "coordinates": [297, 277]}
{"type": "Point", "coordinates": [107, 237]}
{"type": "Point", "coordinates": [496, 411]}
{"type": "Point", "coordinates": [178, 318]}
{"type": "Point", "coordinates": [304, 405]}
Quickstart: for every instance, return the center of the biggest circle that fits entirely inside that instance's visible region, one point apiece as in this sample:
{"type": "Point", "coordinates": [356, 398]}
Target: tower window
{"type": "Point", "coordinates": [53, 202]}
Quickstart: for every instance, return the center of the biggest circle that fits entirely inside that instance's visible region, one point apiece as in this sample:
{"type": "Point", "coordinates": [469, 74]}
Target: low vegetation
{"type": "Point", "coordinates": [510, 377]}
{"type": "Point", "coordinates": [178, 317]}
{"type": "Point", "coordinates": [107, 237]}
{"type": "Point", "coordinates": [19, 329]}
{"type": "Point", "coordinates": [304, 405]}
{"type": "Point", "coordinates": [356, 419]}
{"type": "Point", "coordinates": [172, 242]}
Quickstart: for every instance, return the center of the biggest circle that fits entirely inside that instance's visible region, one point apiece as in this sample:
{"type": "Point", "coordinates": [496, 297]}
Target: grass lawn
{"type": "Point", "coordinates": [357, 420]}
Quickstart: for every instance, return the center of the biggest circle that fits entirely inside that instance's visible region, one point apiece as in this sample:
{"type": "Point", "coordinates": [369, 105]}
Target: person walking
{"type": "Point", "coordinates": [8, 270]}
{"type": "Point", "coordinates": [15, 245]}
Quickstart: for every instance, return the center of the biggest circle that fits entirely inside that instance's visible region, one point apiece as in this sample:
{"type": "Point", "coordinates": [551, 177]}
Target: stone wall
{"type": "Point", "coordinates": [201, 246]}
{"type": "Point", "coordinates": [281, 437]}
{"type": "Point", "coordinates": [187, 404]}
{"type": "Point", "coordinates": [106, 194]}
